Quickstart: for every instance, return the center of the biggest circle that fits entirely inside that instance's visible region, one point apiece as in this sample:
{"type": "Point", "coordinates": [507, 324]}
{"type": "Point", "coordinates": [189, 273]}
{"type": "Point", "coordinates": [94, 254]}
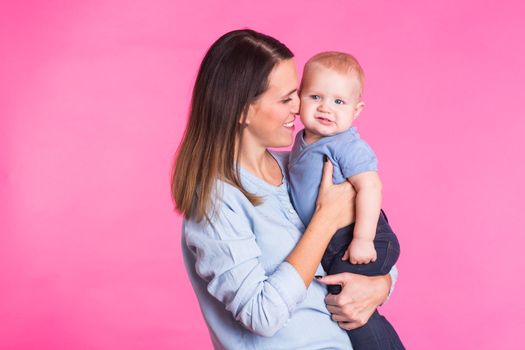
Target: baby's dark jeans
{"type": "Point", "coordinates": [377, 333]}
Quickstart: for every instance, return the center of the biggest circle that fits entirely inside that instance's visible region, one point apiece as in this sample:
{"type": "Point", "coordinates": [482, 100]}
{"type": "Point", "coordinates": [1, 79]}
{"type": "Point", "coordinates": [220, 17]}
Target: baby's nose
{"type": "Point", "coordinates": [322, 107]}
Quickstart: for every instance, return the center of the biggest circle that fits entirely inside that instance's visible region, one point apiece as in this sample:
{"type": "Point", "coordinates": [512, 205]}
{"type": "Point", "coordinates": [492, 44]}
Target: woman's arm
{"type": "Point", "coordinates": [359, 298]}
{"type": "Point", "coordinates": [327, 219]}
{"type": "Point", "coordinates": [226, 255]}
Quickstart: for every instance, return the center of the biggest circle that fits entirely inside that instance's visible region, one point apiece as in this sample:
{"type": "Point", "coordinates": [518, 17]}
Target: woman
{"type": "Point", "coordinates": [250, 259]}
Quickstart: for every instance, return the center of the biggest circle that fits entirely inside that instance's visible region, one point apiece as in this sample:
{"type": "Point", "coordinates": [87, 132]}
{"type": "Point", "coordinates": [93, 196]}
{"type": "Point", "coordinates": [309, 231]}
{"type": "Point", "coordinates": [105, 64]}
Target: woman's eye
{"type": "Point", "coordinates": [287, 100]}
{"type": "Point", "coordinates": [314, 97]}
{"type": "Point", "coordinates": [339, 102]}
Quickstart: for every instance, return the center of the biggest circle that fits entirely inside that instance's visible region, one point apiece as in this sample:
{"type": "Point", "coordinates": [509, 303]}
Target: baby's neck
{"type": "Point", "coordinates": [310, 137]}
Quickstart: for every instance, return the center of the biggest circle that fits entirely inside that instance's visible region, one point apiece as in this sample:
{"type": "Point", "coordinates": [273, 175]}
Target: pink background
{"type": "Point", "coordinates": [93, 102]}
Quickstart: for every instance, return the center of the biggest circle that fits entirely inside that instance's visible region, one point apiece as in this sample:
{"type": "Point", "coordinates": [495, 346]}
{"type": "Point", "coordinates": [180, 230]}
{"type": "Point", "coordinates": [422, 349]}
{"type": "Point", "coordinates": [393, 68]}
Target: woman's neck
{"type": "Point", "coordinates": [259, 162]}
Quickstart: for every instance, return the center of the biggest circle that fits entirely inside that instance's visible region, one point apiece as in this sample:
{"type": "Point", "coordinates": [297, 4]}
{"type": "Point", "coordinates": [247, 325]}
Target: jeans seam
{"type": "Point", "coordinates": [387, 258]}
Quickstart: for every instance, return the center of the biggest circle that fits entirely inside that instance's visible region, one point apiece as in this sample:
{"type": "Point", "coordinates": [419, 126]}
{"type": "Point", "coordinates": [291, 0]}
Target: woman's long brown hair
{"type": "Point", "coordinates": [232, 75]}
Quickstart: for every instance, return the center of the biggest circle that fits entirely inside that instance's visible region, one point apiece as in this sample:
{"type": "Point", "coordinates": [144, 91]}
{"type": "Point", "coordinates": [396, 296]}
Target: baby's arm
{"type": "Point", "coordinates": [368, 207]}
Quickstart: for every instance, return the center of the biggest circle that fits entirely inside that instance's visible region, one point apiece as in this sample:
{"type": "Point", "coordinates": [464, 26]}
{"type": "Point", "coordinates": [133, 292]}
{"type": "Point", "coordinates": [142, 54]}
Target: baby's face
{"type": "Point", "coordinates": [330, 101]}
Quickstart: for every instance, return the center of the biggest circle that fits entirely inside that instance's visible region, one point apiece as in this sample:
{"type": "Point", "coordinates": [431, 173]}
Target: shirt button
{"type": "Point", "coordinates": [291, 211]}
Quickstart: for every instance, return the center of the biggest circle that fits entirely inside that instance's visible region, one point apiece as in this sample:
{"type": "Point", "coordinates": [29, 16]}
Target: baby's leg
{"type": "Point", "coordinates": [377, 333]}
{"type": "Point", "coordinates": [385, 243]}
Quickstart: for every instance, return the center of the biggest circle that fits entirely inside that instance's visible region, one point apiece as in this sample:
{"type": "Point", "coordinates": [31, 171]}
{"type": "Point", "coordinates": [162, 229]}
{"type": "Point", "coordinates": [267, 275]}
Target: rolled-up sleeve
{"type": "Point", "coordinates": [226, 255]}
{"type": "Point", "coordinates": [393, 277]}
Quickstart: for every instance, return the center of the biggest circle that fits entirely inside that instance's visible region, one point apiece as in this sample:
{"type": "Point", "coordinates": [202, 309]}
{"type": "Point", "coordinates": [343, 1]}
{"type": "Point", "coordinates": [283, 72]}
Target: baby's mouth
{"type": "Point", "coordinates": [324, 120]}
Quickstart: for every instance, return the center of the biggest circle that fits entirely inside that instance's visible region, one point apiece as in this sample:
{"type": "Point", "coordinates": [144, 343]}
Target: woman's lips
{"type": "Point", "coordinates": [290, 124]}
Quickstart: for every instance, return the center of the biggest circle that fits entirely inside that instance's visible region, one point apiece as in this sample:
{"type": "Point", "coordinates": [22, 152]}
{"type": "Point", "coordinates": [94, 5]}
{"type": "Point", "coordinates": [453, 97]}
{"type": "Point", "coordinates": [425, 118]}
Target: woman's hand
{"type": "Point", "coordinates": [335, 203]}
{"type": "Point", "coordinates": [335, 209]}
{"type": "Point", "coordinates": [359, 297]}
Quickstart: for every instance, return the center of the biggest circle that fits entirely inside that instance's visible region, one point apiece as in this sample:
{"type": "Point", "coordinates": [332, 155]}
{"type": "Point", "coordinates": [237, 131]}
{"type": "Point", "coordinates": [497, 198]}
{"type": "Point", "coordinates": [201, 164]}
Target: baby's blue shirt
{"type": "Point", "coordinates": [349, 154]}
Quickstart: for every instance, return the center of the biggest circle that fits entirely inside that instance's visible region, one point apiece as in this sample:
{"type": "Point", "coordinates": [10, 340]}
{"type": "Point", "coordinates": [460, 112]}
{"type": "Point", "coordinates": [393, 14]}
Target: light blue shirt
{"type": "Point", "coordinates": [250, 297]}
{"type": "Point", "coordinates": [349, 154]}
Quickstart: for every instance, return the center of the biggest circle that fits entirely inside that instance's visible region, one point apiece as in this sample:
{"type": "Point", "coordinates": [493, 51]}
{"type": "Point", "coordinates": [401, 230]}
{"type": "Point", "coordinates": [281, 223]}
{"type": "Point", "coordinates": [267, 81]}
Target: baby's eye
{"type": "Point", "coordinates": [287, 100]}
{"type": "Point", "coordinates": [339, 102]}
{"type": "Point", "coordinates": [315, 97]}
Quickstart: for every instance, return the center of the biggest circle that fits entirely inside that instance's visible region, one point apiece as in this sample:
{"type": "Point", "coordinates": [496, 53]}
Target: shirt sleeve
{"type": "Point", "coordinates": [393, 276]}
{"type": "Point", "coordinates": [355, 158]}
{"type": "Point", "coordinates": [226, 254]}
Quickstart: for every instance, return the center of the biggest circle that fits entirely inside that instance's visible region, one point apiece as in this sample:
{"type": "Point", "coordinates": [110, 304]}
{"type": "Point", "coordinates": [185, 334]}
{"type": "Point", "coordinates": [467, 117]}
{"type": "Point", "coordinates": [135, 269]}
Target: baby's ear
{"type": "Point", "coordinates": [358, 108]}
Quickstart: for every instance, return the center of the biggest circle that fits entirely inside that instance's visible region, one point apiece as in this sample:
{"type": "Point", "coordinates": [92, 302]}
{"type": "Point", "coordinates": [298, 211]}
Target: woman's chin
{"type": "Point", "coordinates": [284, 142]}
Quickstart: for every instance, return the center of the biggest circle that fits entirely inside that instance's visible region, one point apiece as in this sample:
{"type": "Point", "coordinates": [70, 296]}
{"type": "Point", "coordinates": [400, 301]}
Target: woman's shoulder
{"type": "Point", "coordinates": [226, 198]}
{"type": "Point", "coordinates": [227, 216]}
{"type": "Point", "coordinates": [228, 194]}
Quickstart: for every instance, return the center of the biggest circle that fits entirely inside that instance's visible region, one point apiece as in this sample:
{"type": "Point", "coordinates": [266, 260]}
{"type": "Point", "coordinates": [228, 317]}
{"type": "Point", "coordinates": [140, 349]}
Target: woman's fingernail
{"type": "Point", "coordinates": [317, 277]}
{"type": "Point", "coordinates": [325, 158]}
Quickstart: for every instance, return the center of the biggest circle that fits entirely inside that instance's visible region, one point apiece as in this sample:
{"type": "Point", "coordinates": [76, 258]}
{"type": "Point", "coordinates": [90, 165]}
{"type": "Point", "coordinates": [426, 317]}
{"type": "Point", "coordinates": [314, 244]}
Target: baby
{"type": "Point", "coordinates": [331, 99]}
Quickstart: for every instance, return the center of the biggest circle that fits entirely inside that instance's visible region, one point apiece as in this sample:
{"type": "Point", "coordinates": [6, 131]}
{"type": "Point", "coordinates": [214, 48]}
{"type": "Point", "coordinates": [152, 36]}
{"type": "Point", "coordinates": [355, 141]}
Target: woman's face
{"type": "Point", "coordinates": [270, 120]}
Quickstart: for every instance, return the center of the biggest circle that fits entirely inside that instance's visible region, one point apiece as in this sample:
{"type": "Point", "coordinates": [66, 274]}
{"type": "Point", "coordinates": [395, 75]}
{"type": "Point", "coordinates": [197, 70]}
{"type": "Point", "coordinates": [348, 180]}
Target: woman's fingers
{"type": "Point", "coordinates": [328, 171]}
{"type": "Point", "coordinates": [354, 305]}
{"type": "Point", "coordinates": [337, 299]}
{"type": "Point", "coordinates": [335, 203]}
{"type": "Point", "coordinates": [344, 323]}
{"type": "Point", "coordinates": [334, 309]}
{"type": "Point", "coordinates": [333, 279]}
{"type": "Point", "coordinates": [339, 318]}
{"type": "Point", "coordinates": [348, 312]}
{"type": "Point", "coordinates": [350, 325]}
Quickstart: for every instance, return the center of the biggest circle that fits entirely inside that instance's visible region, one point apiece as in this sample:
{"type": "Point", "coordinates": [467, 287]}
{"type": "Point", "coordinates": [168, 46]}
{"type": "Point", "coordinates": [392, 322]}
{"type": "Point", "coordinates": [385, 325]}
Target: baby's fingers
{"type": "Point", "coordinates": [346, 255]}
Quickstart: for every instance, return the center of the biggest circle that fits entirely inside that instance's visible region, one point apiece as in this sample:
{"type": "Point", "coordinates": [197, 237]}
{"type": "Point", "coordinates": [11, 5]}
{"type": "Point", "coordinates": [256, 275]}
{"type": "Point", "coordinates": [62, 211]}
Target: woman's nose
{"type": "Point", "coordinates": [295, 104]}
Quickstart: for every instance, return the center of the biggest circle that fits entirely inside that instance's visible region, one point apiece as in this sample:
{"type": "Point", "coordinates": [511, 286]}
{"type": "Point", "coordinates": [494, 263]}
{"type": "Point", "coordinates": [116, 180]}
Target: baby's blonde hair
{"type": "Point", "coordinates": [341, 62]}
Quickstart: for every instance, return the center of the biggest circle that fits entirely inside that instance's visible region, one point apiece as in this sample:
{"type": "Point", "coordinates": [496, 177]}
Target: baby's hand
{"type": "Point", "coordinates": [360, 251]}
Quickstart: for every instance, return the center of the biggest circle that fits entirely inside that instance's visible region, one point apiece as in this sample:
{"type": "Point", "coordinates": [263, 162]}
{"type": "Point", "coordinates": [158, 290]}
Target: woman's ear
{"type": "Point", "coordinates": [358, 108]}
{"type": "Point", "coordinates": [248, 114]}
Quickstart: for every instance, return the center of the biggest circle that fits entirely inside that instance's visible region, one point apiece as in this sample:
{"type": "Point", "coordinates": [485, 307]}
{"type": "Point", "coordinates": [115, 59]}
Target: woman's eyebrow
{"type": "Point", "coordinates": [291, 92]}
